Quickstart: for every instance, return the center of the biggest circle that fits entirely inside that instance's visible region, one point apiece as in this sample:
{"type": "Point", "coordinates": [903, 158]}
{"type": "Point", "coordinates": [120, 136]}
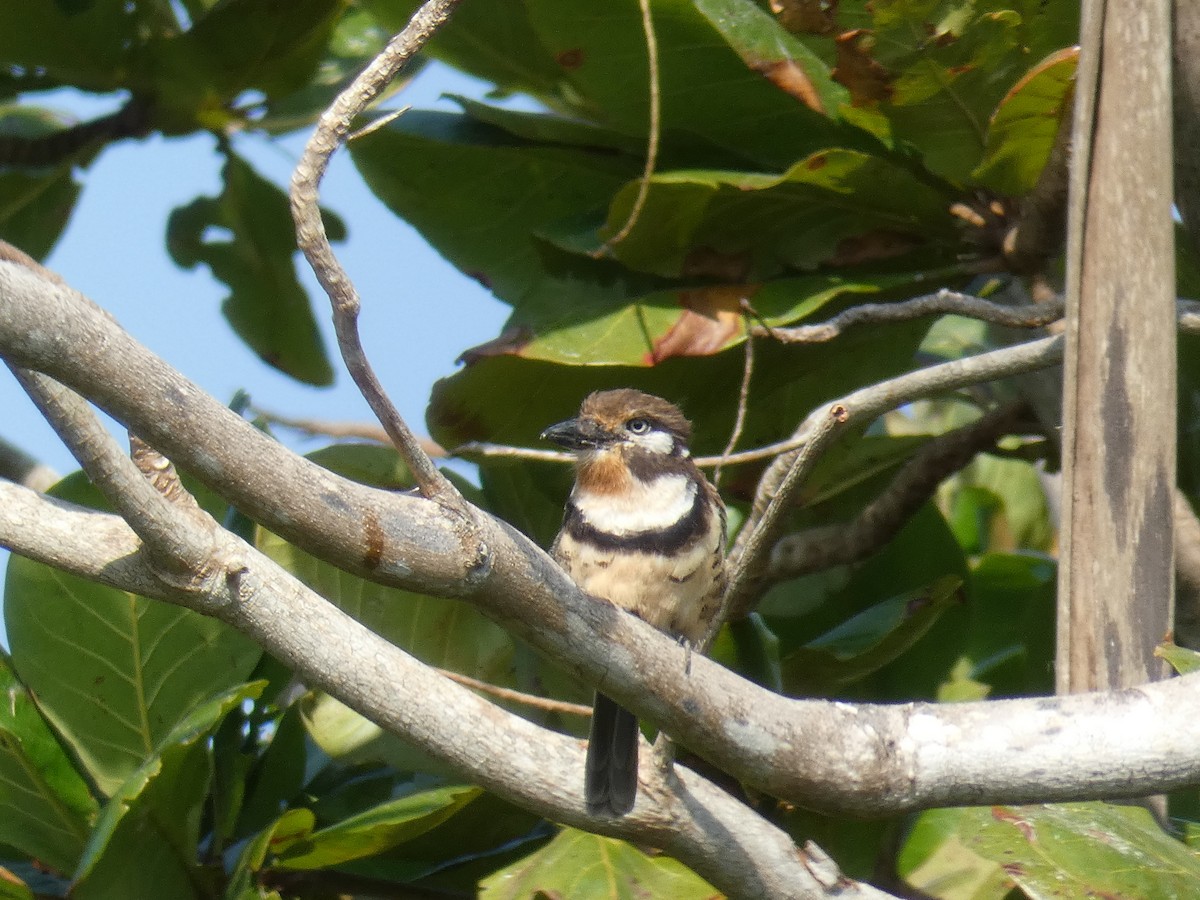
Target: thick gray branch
{"type": "Point", "coordinates": [719, 837]}
{"type": "Point", "coordinates": [862, 758]}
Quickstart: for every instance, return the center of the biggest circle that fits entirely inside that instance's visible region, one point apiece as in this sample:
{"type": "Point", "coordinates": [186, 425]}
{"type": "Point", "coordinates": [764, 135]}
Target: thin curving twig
{"type": "Point", "coordinates": [653, 132]}
{"type": "Point", "coordinates": [330, 133]}
{"type": "Point", "coordinates": [943, 302]}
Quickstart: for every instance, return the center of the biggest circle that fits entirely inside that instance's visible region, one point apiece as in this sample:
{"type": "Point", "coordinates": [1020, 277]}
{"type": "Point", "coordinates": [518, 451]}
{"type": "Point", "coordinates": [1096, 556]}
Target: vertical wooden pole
{"type": "Point", "coordinates": [1116, 575]}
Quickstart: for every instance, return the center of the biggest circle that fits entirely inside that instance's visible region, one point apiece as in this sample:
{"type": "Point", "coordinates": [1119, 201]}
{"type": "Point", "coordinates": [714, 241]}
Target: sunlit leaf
{"type": "Point", "coordinates": [589, 867]}
{"type": "Point", "coordinates": [833, 207]}
{"type": "Point", "coordinates": [378, 829]}
{"type": "Point", "coordinates": [1022, 131]}
{"type": "Point", "coordinates": [155, 815]}
{"type": "Point", "coordinates": [1082, 850]}
{"type": "Point", "coordinates": [935, 860]}
{"type": "Point", "coordinates": [113, 672]}
{"type": "Point", "coordinates": [1181, 659]}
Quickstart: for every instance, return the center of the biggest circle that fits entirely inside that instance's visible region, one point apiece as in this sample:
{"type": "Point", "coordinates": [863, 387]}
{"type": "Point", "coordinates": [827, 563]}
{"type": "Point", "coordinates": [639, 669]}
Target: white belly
{"type": "Point", "coordinates": [676, 594]}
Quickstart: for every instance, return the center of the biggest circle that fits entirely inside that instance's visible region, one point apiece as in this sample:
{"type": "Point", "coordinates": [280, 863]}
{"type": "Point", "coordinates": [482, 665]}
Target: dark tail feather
{"type": "Point", "coordinates": [610, 782]}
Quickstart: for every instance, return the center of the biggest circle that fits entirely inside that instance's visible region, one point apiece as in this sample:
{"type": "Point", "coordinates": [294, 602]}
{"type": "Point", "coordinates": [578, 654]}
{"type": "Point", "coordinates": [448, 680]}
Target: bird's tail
{"type": "Point", "coordinates": [610, 782]}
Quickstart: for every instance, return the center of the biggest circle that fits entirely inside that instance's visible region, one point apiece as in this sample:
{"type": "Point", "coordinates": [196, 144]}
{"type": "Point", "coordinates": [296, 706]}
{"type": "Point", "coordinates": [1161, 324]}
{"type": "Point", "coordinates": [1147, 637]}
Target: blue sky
{"type": "Point", "coordinates": [418, 314]}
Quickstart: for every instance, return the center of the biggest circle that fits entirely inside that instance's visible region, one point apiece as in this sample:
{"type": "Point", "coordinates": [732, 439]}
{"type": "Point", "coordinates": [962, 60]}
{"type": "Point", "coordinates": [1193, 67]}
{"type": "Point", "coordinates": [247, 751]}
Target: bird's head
{"type": "Point", "coordinates": [625, 420]}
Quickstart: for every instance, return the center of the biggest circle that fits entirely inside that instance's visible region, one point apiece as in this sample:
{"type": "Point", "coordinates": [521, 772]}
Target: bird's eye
{"type": "Point", "coordinates": [638, 426]}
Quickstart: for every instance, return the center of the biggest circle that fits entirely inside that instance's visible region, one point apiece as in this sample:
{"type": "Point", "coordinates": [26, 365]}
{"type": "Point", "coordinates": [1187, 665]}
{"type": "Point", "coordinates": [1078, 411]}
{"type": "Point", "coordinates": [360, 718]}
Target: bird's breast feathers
{"type": "Point", "coordinates": [643, 506]}
{"type": "Point", "coordinates": [655, 550]}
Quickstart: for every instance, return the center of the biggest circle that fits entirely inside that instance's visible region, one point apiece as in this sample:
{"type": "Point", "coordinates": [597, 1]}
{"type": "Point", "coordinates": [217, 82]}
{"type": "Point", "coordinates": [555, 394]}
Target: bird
{"type": "Point", "coordinates": [645, 530]}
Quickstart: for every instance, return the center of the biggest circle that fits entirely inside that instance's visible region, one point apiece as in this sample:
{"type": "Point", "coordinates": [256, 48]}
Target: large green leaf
{"type": "Point", "coordinates": [36, 200]}
{"type": "Point", "coordinates": [1022, 131]}
{"type": "Point", "coordinates": [589, 867]}
{"type": "Point", "coordinates": [377, 829]}
{"type": "Point", "coordinates": [480, 195]}
{"type": "Point", "coordinates": [154, 817]}
{"type": "Point", "coordinates": [788, 382]}
{"type": "Point", "coordinates": [602, 53]}
{"type": "Point", "coordinates": [85, 44]}
{"type": "Point", "coordinates": [764, 224]}
{"type": "Point", "coordinates": [46, 810]}
{"type": "Point", "coordinates": [1069, 850]}
{"type": "Point", "coordinates": [868, 641]}
{"type": "Point", "coordinates": [593, 325]}
{"type": "Point", "coordinates": [494, 41]}
{"type": "Point", "coordinates": [935, 860]}
{"type": "Point", "coordinates": [246, 238]}
{"type": "Point", "coordinates": [113, 672]}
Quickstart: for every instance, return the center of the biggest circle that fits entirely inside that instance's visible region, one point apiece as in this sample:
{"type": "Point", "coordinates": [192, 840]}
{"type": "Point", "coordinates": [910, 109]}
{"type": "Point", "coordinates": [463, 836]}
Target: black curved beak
{"type": "Point", "coordinates": [573, 435]}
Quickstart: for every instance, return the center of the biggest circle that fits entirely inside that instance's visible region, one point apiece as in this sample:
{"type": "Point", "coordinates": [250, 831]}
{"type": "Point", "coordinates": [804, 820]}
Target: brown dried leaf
{"type": "Point", "coordinates": [711, 318]}
{"type": "Point", "coordinates": [806, 16]}
{"type": "Point", "coordinates": [867, 80]}
{"type": "Point", "coordinates": [791, 79]}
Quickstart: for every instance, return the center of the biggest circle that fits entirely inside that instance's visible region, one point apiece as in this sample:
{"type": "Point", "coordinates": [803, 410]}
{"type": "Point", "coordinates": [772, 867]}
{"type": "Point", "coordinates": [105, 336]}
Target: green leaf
{"type": "Point", "coordinates": [1023, 128]}
{"type": "Point", "coordinates": [36, 201]}
{"type": "Point", "coordinates": [86, 45]}
{"type": "Point", "coordinates": [246, 237]}
{"type": "Point", "coordinates": [574, 328]}
{"type": "Point", "coordinates": [1082, 850]}
{"type": "Point", "coordinates": [603, 58]}
{"type": "Point", "coordinates": [585, 866]}
{"type": "Point", "coordinates": [493, 41]}
{"type": "Point", "coordinates": [452, 857]}
{"type": "Point", "coordinates": [45, 808]}
{"type": "Point", "coordinates": [378, 829]}
{"type": "Point", "coordinates": [113, 672]}
{"type": "Point", "coordinates": [764, 224]}
{"type": "Point", "coordinates": [788, 383]}
{"type": "Point", "coordinates": [356, 39]}
{"type": "Point", "coordinates": [479, 194]}
{"type": "Point", "coordinates": [1007, 644]}
{"type": "Point", "coordinates": [544, 128]}
{"type": "Point", "coordinates": [935, 860]}
{"type": "Point", "coordinates": [277, 776]}
{"type": "Point", "coordinates": [154, 817]}
{"type": "Point", "coordinates": [937, 69]}
{"type": "Point", "coordinates": [294, 825]}
{"type": "Point", "coordinates": [1181, 659]}
{"type": "Point", "coordinates": [869, 640]}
